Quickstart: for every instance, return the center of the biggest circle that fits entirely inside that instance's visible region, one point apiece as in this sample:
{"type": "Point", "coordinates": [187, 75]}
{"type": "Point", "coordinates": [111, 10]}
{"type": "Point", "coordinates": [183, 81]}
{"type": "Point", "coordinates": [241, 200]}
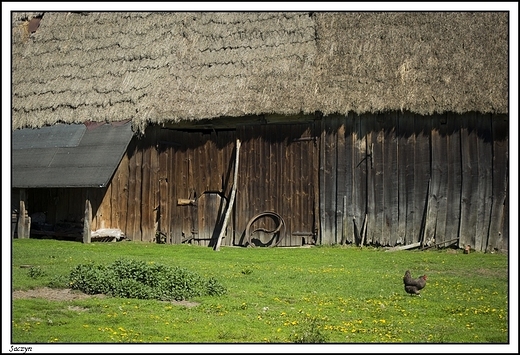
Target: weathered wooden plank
{"type": "Point", "coordinates": [485, 179]}
{"type": "Point", "coordinates": [421, 173]}
{"type": "Point", "coordinates": [430, 219]}
{"type": "Point", "coordinates": [120, 196]}
{"type": "Point", "coordinates": [24, 221]}
{"type": "Point", "coordinates": [434, 224]}
{"type": "Point", "coordinates": [106, 211]}
{"type": "Point", "coordinates": [270, 192]}
{"type": "Point", "coordinates": [132, 191]}
{"type": "Point", "coordinates": [154, 183]}
{"type": "Point", "coordinates": [368, 126]}
{"type": "Point", "coordinates": [404, 247]}
{"type": "Point", "coordinates": [503, 242]}
{"type": "Point", "coordinates": [138, 203]}
{"type": "Point", "coordinates": [442, 197]}
{"type": "Point", "coordinates": [333, 206]}
{"type": "Point", "coordinates": [243, 208]}
{"type": "Point", "coordinates": [454, 180]}
{"type": "Point", "coordinates": [305, 225]}
{"type": "Point", "coordinates": [198, 184]}
{"type": "Point", "coordinates": [341, 178]}
{"type": "Point", "coordinates": [254, 185]}
{"type": "Point", "coordinates": [286, 145]}
{"type": "Point", "coordinates": [362, 162]}
{"type": "Point", "coordinates": [87, 222]}
{"type": "Point", "coordinates": [164, 177]}
{"type": "Point", "coordinates": [189, 219]}
{"type": "Point", "coordinates": [315, 171]}
{"type": "Point", "coordinates": [377, 216]}
{"type": "Point", "coordinates": [321, 188]}
{"type": "Point", "coordinates": [469, 201]}
{"type": "Point", "coordinates": [246, 210]}
{"type": "Point", "coordinates": [227, 142]}
{"type": "Point", "coordinates": [351, 193]}
{"type": "Point", "coordinates": [284, 205]}
{"type": "Point", "coordinates": [147, 222]}
{"type": "Point", "coordinates": [444, 156]}
{"type": "Point", "coordinates": [229, 208]}
{"type": "Point", "coordinates": [293, 167]}
{"type": "Point", "coordinates": [390, 181]}
{"type": "Point", "coordinates": [406, 157]}
{"type": "Point", "coordinates": [498, 235]}
{"type": "Point", "coordinates": [177, 185]}
{"type": "Point", "coordinates": [173, 183]}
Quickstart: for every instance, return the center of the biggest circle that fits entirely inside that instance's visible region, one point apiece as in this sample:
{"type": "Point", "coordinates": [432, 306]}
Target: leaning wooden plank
{"type": "Point", "coordinates": [405, 247]}
{"type": "Point", "coordinates": [231, 200]}
{"type": "Point", "coordinates": [452, 241]}
{"type": "Point", "coordinates": [364, 230]}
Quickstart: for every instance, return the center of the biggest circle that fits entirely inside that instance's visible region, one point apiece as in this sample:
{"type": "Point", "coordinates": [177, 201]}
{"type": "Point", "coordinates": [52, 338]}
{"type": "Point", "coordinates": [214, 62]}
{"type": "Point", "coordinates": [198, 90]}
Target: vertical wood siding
{"type": "Point", "coordinates": [437, 179]}
{"type": "Point", "coordinates": [276, 175]}
{"type": "Point", "coordinates": [430, 179]}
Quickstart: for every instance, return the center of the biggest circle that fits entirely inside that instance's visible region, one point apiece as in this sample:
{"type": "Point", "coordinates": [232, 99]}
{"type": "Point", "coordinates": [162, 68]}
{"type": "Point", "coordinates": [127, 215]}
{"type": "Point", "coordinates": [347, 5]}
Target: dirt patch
{"type": "Point", "coordinates": [53, 294]}
{"type": "Point", "coordinates": [67, 294]}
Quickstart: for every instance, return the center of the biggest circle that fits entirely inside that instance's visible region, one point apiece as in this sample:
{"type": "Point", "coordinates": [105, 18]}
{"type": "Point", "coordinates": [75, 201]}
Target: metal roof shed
{"type": "Point", "coordinates": [63, 155]}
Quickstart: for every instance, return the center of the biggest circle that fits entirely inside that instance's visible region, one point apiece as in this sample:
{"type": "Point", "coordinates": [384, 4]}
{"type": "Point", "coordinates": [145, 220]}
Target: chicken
{"type": "Point", "coordinates": [413, 286]}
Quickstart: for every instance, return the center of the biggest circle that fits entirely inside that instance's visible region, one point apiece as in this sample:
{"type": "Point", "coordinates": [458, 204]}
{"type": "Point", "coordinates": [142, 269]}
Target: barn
{"type": "Point", "coordinates": [262, 128]}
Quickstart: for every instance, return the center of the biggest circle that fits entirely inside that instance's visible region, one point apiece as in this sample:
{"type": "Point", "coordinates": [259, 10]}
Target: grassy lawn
{"type": "Point", "coordinates": [274, 295]}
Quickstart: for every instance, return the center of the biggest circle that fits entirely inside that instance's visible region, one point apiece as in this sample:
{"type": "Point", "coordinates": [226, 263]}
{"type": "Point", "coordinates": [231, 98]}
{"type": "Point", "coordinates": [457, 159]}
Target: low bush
{"type": "Point", "coordinates": [136, 279]}
{"type": "Point", "coordinates": [35, 272]}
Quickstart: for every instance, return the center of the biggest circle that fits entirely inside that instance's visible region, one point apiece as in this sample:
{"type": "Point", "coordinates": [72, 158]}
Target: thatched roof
{"type": "Point", "coordinates": [171, 66]}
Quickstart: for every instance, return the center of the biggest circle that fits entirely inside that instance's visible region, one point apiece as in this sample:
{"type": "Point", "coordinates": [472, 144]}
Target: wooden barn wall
{"type": "Point", "coordinates": [160, 169]}
{"type": "Point", "coordinates": [278, 173]}
{"type": "Point", "coordinates": [440, 179]}
{"type": "Point", "coordinates": [386, 179]}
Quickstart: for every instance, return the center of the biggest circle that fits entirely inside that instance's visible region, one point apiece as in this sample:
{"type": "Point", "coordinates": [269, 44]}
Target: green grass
{"type": "Point", "coordinates": [275, 295]}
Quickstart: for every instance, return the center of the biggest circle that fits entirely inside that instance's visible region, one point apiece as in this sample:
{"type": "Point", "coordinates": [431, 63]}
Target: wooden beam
{"type": "Point", "coordinates": [24, 221]}
{"type": "Point", "coordinates": [231, 200]}
{"type": "Point", "coordinates": [405, 247]}
{"type": "Point", "coordinates": [344, 223]}
{"type": "Point", "coordinates": [87, 222]}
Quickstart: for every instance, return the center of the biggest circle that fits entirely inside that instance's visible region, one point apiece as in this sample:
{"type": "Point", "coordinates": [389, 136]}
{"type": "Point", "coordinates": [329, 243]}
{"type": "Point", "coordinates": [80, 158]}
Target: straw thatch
{"type": "Point", "coordinates": [158, 67]}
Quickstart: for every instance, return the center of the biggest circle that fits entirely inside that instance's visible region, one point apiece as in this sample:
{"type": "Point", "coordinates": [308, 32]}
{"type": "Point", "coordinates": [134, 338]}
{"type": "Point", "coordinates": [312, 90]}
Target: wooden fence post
{"type": "Point", "coordinates": [87, 221]}
{"type": "Point", "coordinates": [24, 221]}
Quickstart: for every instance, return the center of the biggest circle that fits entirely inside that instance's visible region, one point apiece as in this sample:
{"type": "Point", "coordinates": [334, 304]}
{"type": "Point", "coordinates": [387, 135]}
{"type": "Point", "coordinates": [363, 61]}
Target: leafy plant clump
{"type": "Point", "coordinates": [137, 279]}
{"type": "Point", "coordinates": [35, 272]}
{"type": "Point", "coordinates": [309, 333]}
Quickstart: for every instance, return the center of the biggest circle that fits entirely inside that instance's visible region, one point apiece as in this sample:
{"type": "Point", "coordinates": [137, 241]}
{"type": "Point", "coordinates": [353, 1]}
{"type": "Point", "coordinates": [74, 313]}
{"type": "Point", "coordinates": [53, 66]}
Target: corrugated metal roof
{"type": "Point", "coordinates": [68, 155]}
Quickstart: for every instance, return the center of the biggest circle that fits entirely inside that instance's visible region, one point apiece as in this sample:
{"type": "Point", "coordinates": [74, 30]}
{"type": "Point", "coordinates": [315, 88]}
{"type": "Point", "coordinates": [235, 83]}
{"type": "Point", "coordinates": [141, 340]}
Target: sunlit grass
{"type": "Point", "coordinates": [275, 295]}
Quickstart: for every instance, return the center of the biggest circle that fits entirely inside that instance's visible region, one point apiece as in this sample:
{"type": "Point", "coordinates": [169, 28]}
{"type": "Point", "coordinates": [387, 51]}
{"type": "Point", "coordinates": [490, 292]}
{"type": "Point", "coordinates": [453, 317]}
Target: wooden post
{"type": "Point", "coordinates": [87, 221]}
{"type": "Point", "coordinates": [364, 230]}
{"type": "Point", "coordinates": [24, 221]}
{"type": "Point", "coordinates": [344, 225]}
{"type": "Point", "coordinates": [231, 200]}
